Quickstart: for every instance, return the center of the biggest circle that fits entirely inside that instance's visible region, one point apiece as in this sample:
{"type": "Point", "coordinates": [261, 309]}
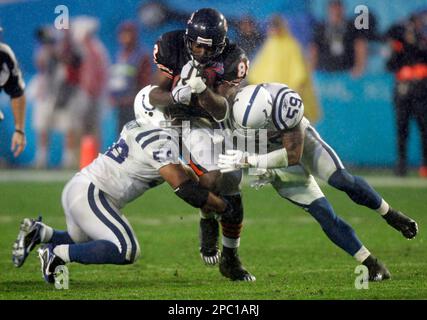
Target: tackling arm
{"type": "Point", "coordinates": [191, 191]}
{"type": "Point", "coordinates": [289, 155]}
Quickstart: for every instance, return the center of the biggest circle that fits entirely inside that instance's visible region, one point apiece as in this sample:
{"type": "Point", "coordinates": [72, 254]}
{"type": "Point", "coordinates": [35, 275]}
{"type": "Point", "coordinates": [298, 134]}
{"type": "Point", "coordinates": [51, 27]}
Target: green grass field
{"type": "Point", "coordinates": [281, 245]}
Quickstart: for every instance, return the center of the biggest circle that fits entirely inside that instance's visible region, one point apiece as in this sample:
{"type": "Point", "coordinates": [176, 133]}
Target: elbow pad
{"type": "Point", "coordinates": [274, 159]}
{"type": "Point", "coordinates": [192, 193]}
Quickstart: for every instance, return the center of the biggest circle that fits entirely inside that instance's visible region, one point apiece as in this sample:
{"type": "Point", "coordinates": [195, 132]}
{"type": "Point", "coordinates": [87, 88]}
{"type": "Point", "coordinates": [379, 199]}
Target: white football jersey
{"type": "Point", "coordinates": [130, 166]}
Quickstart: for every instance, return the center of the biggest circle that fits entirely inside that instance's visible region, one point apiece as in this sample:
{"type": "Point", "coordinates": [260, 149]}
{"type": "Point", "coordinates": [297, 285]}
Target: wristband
{"type": "Point", "coordinates": [20, 131]}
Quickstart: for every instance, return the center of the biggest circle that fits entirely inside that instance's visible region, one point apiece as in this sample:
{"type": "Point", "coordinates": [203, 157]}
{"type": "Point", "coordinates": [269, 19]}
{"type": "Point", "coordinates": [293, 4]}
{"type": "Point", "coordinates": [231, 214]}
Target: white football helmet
{"type": "Point", "coordinates": [252, 109]}
{"type": "Point", "coordinates": [145, 112]}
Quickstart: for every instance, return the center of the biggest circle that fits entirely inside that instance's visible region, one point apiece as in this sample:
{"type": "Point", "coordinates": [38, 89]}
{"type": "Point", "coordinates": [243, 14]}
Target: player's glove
{"type": "Point", "coordinates": [197, 85]}
{"type": "Point", "coordinates": [190, 82]}
{"type": "Point", "coordinates": [181, 94]}
{"type": "Point", "coordinates": [191, 74]}
{"type": "Point", "coordinates": [232, 160]}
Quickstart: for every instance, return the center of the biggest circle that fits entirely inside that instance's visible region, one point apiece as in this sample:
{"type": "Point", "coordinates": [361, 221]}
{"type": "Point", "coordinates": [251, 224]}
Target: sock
{"type": "Point", "coordinates": [46, 233]}
{"type": "Point", "coordinates": [384, 208]}
{"type": "Point", "coordinates": [230, 242]}
{"type": "Point", "coordinates": [60, 237]}
{"type": "Point", "coordinates": [362, 254]}
{"type": "Point", "coordinates": [62, 251]}
{"type": "Point", "coordinates": [97, 252]}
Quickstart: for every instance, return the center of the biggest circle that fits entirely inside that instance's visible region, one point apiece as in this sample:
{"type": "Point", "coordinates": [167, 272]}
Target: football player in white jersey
{"type": "Point", "coordinates": [292, 140]}
{"type": "Point", "coordinates": [97, 232]}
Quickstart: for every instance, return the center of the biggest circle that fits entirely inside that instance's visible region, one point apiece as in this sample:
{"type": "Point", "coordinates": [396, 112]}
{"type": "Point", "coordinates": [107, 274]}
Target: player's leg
{"type": "Point", "coordinates": [33, 232]}
{"type": "Point", "coordinates": [230, 265]}
{"type": "Point", "coordinates": [301, 189]}
{"type": "Point", "coordinates": [100, 233]}
{"type": "Point", "coordinates": [323, 162]}
{"type": "Point", "coordinates": [229, 261]}
{"type": "Point", "coordinates": [201, 154]}
{"type": "Point", "coordinates": [197, 153]}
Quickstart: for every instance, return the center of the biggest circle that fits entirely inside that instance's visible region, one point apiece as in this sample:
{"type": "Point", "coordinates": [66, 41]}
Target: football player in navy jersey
{"type": "Point", "coordinates": [199, 69]}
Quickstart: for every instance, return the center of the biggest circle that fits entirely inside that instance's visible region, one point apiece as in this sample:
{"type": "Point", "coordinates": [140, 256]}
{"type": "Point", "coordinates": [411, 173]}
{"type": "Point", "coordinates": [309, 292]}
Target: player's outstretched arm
{"type": "Point", "coordinates": [189, 190]}
{"type": "Point", "coordinates": [289, 155]}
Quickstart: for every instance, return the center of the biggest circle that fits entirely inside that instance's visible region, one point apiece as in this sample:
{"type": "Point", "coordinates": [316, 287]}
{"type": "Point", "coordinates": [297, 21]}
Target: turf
{"type": "Point", "coordinates": [281, 244]}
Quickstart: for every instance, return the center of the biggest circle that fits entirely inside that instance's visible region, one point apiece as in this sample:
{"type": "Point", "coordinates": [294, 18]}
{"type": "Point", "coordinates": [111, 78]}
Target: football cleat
{"type": "Point", "coordinates": [231, 267]}
{"type": "Point", "coordinates": [49, 261]}
{"type": "Point", "coordinates": [377, 270]}
{"type": "Point", "coordinates": [407, 226]}
{"type": "Point", "coordinates": [28, 238]}
{"type": "Point", "coordinates": [209, 234]}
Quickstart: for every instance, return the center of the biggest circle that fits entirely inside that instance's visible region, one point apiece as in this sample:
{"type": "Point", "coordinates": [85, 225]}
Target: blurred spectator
{"type": "Point", "coordinates": [280, 59]}
{"type": "Point", "coordinates": [130, 72]}
{"type": "Point", "coordinates": [338, 45]}
{"type": "Point", "coordinates": [12, 83]}
{"type": "Point", "coordinates": [92, 75]}
{"type": "Point", "coordinates": [408, 61]}
{"type": "Point", "coordinates": [54, 90]}
{"type": "Point", "coordinates": [249, 37]}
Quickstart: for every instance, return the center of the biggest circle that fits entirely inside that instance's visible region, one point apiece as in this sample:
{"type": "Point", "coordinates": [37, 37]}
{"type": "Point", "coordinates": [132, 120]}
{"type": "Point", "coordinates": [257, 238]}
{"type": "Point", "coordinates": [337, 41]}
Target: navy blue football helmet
{"type": "Point", "coordinates": [206, 27]}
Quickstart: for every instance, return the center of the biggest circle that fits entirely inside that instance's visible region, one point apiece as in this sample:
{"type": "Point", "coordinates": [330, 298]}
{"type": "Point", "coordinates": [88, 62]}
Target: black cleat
{"type": "Point", "coordinates": [48, 262]}
{"type": "Point", "coordinates": [402, 223]}
{"type": "Point", "coordinates": [377, 270]}
{"type": "Point", "coordinates": [231, 267]}
{"type": "Point", "coordinates": [28, 238]}
{"type": "Point", "coordinates": [208, 235]}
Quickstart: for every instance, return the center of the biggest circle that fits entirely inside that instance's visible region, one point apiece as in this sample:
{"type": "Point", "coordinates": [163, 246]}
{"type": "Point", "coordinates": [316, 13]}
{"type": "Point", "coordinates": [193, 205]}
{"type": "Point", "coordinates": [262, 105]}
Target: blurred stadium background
{"type": "Point", "coordinates": [281, 245]}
